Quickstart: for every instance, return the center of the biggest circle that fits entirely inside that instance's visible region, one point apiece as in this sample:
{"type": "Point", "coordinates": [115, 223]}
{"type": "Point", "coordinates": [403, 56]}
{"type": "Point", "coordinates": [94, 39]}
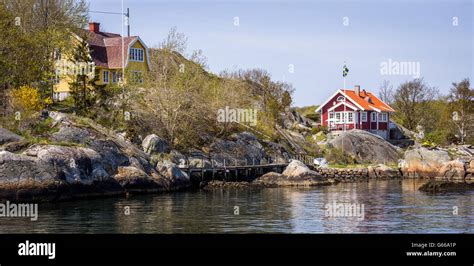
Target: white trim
{"type": "Point", "coordinates": [343, 118]}
{"type": "Point", "coordinates": [372, 117]}
{"type": "Point", "coordinates": [375, 109]}
{"type": "Point", "coordinates": [342, 103]}
{"type": "Point", "coordinates": [356, 104]}
{"type": "Point", "coordinates": [391, 110]}
{"type": "Point", "coordinates": [345, 95]}
{"type": "Point", "coordinates": [327, 101]}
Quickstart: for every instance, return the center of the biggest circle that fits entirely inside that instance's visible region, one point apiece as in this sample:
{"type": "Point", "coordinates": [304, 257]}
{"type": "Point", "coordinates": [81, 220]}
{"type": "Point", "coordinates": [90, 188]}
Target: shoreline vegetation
{"type": "Point", "coordinates": [135, 137]}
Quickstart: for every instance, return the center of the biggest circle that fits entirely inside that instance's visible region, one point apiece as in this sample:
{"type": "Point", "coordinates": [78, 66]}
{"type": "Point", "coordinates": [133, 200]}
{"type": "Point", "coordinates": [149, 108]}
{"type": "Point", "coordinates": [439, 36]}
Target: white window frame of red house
{"type": "Point", "coordinates": [373, 117]}
{"type": "Point", "coordinates": [343, 117]}
{"type": "Point", "coordinates": [363, 116]}
{"type": "Point", "coordinates": [383, 117]}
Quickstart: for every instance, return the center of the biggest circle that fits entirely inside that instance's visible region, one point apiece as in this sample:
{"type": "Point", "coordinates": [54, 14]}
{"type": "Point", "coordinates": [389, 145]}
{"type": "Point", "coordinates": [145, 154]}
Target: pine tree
{"type": "Point", "coordinates": [83, 86]}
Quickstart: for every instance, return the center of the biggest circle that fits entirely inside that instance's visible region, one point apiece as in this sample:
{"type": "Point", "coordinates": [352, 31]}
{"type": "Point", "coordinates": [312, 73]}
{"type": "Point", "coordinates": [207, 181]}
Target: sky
{"type": "Point", "coordinates": [307, 43]}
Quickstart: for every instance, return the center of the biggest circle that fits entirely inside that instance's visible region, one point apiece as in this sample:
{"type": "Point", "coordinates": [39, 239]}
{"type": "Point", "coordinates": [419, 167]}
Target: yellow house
{"type": "Point", "coordinates": [107, 51]}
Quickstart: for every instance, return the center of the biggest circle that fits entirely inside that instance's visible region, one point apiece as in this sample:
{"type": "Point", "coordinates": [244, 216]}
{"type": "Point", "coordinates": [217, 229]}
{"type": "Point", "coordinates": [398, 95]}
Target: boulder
{"type": "Point", "coordinates": [382, 171]}
{"type": "Point", "coordinates": [434, 186]}
{"type": "Point", "coordinates": [7, 136]}
{"type": "Point", "coordinates": [423, 162]}
{"type": "Point", "coordinates": [277, 152]}
{"type": "Point", "coordinates": [176, 177]}
{"type": "Point", "coordinates": [72, 134]}
{"type": "Point", "coordinates": [470, 168]}
{"type": "Point", "coordinates": [366, 147]}
{"type": "Point", "coordinates": [152, 144]}
{"type": "Point", "coordinates": [241, 148]}
{"type": "Point", "coordinates": [273, 179]}
{"type": "Point", "coordinates": [133, 179]}
{"type": "Point", "coordinates": [298, 169]}
{"type": "Point", "coordinates": [452, 170]}
{"type": "Point", "coordinates": [295, 174]}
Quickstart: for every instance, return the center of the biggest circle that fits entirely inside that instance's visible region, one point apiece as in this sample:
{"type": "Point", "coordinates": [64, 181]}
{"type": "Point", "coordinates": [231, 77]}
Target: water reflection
{"type": "Point", "coordinates": [390, 207]}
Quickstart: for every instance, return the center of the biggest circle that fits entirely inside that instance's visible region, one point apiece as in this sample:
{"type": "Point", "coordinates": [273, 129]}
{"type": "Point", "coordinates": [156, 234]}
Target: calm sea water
{"type": "Point", "coordinates": [390, 207]}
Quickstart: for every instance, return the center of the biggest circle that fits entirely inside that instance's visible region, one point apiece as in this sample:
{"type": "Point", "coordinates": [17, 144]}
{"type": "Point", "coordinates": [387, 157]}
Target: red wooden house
{"type": "Point", "coordinates": [356, 109]}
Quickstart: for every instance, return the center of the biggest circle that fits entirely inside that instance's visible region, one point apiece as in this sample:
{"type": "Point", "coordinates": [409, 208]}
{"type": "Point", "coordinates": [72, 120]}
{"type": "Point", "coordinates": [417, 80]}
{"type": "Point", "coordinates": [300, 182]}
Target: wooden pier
{"type": "Point", "coordinates": [237, 172]}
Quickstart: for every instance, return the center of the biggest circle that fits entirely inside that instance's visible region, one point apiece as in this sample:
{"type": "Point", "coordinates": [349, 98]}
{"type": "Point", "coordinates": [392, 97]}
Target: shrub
{"type": "Point", "coordinates": [316, 130]}
{"type": "Point", "coordinates": [437, 137]}
{"type": "Point", "coordinates": [26, 99]}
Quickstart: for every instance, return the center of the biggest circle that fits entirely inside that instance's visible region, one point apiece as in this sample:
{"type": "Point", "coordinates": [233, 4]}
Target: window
{"type": "Point", "coordinates": [341, 99]}
{"type": "Point", "coordinates": [373, 117]}
{"type": "Point", "coordinates": [364, 116]}
{"type": "Point", "coordinates": [105, 74]}
{"type": "Point", "coordinates": [114, 77]}
{"type": "Point", "coordinates": [57, 54]}
{"type": "Point", "coordinates": [341, 117]}
{"type": "Point", "coordinates": [57, 77]}
{"type": "Point", "coordinates": [350, 117]}
{"type": "Point", "coordinates": [137, 76]}
{"type": "Point", "coordinates": [383, 117]}
{"type": "Point", "coordinates": [137, 54]}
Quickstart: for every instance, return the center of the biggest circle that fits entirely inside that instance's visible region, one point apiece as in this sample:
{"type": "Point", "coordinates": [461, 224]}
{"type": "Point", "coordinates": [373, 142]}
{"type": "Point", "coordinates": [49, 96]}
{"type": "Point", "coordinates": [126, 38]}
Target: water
{"type": "Point", "coordinates": [390, 207]}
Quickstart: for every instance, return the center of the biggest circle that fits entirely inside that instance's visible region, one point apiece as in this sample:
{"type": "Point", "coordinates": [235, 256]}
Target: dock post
{"type": "Point", "coordinates": [225, 172]}
{"type": "Point", "coordinates": [236, 170]}
{"type": "Point", "coordinates": [202, 169]}
{"type": "Point", "coordinates": [212, 166]}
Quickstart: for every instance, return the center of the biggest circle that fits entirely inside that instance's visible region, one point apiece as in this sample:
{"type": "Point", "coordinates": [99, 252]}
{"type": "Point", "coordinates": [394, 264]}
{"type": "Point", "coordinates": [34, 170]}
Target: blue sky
{"type": "Point", "coordinates": [311, 36]}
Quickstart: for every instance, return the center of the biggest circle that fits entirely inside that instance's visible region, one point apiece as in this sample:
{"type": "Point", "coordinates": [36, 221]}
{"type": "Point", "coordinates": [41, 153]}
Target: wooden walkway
{"type": "Point", "coordinates": [236, 172]}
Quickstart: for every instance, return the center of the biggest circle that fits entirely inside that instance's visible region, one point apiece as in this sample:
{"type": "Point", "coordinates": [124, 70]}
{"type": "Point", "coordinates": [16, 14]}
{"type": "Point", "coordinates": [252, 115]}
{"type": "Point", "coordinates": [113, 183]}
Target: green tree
{"type": "Point", "coordinates": [44, 27]}
{"type": "Point", "coordinates": [84, 79]}
{"type": "Point", "coordinates": [412, 99]}
{"type": "Point", "coordinates": [461, 99]}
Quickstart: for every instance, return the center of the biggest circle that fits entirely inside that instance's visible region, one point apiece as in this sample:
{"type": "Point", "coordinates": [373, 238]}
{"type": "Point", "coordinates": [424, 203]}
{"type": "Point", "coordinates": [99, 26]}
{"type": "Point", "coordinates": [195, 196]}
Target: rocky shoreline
{"type": "Point", "coordinates": [82, 159]}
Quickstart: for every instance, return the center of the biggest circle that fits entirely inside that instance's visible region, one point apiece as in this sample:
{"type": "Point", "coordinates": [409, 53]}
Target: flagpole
{"type": "Point", "coordinates": [344, 73]}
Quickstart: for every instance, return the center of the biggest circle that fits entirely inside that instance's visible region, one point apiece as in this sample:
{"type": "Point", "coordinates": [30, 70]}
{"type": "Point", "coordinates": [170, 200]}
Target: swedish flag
{"type": "Point", "coordinates": [345, 71]}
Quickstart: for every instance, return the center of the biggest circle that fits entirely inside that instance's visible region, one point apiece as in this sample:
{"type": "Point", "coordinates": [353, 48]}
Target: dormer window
{"type": "Point", "coordinates": [137, 54]}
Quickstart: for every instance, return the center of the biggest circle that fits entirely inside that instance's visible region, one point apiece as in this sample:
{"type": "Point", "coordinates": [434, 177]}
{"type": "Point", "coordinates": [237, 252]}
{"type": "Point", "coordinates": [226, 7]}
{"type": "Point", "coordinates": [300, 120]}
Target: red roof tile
{"type": "Point", "coordinates": [368, 101]}
{"type": "Point", "coordinates": [106, 48]}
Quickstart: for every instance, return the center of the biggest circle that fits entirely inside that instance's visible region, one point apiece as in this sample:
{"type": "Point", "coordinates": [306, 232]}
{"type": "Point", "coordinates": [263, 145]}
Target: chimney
{"type": "Point", "coordinates": [94, 27]}
{"type": "Point", "coordinates": [357, 90]}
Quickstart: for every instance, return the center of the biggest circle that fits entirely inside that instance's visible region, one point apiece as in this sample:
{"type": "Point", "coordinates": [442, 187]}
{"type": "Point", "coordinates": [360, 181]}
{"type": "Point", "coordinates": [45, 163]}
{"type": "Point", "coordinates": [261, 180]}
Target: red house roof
{"type": "Point", "coordinates": [107, 48]}
{"type": "Point", "coordinates": [366, 101]}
